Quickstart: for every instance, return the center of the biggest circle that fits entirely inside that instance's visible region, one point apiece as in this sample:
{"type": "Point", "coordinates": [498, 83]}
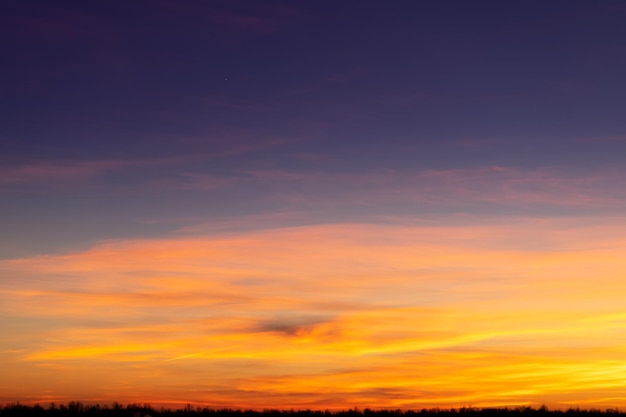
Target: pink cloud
{"type": "Point", "coordinates": [492, 184]}
{"type": "Point", "coordinates": [72, 171]}
{"type": "Point", "coordinates": [451, 189]}
{"type": "Point", "coordinates": [69, 171]}
{"type": "Point", "coordinates": [46, 172]}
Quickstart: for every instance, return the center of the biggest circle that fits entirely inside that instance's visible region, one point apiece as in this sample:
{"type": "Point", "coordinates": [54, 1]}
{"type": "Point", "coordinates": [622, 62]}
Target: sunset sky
{"type": "Point", "coordinates": [316, 204]}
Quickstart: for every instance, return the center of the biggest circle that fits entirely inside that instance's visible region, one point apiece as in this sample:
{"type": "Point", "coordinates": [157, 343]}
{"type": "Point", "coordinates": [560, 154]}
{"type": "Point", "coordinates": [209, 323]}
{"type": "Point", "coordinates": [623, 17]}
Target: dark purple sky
{"type": "Point", "coordinates": [123, 118]}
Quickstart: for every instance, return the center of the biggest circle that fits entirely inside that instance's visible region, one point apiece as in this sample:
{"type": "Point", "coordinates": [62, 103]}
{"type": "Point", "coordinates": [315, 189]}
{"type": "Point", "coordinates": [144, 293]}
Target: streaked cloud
{"type": "Point", "coordinates": [356, 315]}
{"type": "Point", "coordinates": [50, 172]}
{"type": "Point", "coordinates": [456, 189]}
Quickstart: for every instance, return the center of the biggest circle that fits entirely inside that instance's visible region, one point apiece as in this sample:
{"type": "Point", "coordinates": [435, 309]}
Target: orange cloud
{"type": "Point", "coordinates": [522, 312]}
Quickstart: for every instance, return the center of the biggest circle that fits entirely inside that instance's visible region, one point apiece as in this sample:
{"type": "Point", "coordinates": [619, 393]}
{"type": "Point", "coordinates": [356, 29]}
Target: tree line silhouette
{"type": "Point", "coordinates": [77, 409]}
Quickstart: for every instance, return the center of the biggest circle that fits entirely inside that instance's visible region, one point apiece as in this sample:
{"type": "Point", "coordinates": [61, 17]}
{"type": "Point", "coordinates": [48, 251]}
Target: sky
{"type": "Point", "coordinates": [313, 204]}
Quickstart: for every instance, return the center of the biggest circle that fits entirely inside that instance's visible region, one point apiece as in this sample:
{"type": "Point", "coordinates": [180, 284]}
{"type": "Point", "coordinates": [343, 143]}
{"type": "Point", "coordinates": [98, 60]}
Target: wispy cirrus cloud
{"type": "Point", "coordinates": [486, 313]}
{"type": "Point", "coordinates": [50, 172]}
{"type": "Point", "coordinates": [454, 189]}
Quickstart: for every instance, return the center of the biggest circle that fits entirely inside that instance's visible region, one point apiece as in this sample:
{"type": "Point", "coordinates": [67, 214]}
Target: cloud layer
{"type": "Point", "coordinates": [524, 312]}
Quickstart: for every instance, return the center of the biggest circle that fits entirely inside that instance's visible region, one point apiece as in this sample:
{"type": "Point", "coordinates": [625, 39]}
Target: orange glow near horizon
{"type": "Point", "coordinates": [331, 316]}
